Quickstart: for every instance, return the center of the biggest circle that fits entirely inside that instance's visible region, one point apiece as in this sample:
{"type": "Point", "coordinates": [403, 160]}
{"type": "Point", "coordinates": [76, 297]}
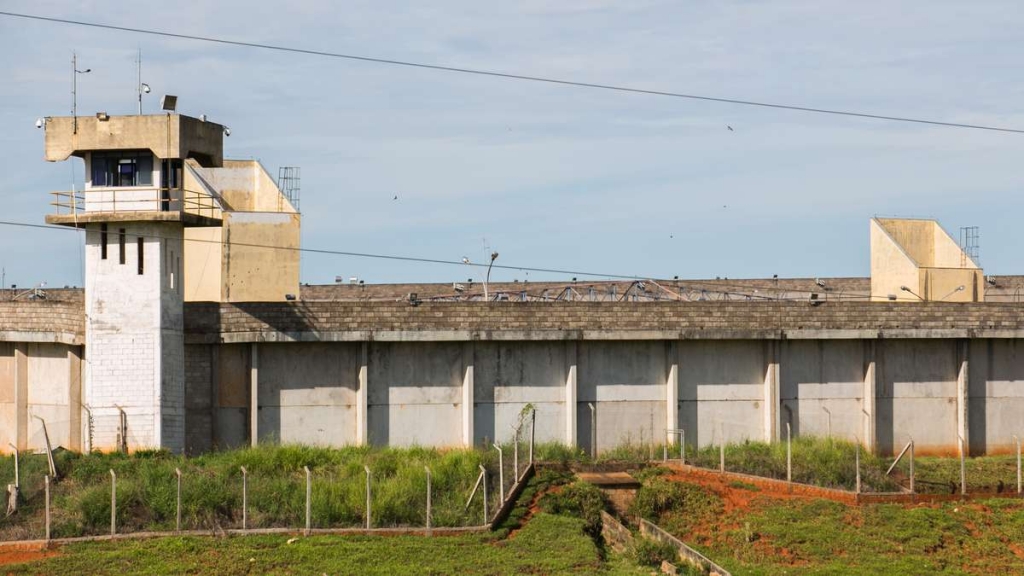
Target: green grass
{"type": "Point", "coordinates": [212, 489]}
{"type": "Point", "coordinates": [818, 537]}
{"type": "Point", "coordinates": [548, 544]}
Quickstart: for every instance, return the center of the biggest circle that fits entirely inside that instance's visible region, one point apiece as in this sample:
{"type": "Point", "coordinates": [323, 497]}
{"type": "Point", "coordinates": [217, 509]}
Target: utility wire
{"type": "Point", "coordinates": [353, 254]}
{"type": "Point", "coordinates": [511, 76]}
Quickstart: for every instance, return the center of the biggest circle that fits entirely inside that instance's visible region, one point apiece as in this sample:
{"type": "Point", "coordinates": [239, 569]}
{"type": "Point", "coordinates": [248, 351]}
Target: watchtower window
{"type": "Point", "coordinates": [110, 169]}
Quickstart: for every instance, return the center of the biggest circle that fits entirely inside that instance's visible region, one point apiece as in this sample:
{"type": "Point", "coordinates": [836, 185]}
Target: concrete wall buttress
{"type": "Point", "coordinates": [21, 395]}
{"type": "Point", "coordinates": [467, 394]}
{"type": "Point", "coordinates": [672, 392]}
{"type": "Point", "coordinates": [75, 398]}
{"type": "Point", "coordinates": [870, 396]}
{"type": "Point", "coordinates": [962, 388]}
{"type": "Point", "coordinates": [771, 392]}
{"type": "Point", "coordinates": [254, 388]}
{"type": "Point", "coordinates": [362, 395]}
{"type": "Point", "coordinates": [570, 392]}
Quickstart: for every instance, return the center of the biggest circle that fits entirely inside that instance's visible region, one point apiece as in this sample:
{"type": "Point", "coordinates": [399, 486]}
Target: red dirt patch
{"type": "Point", "coordinates": [19, 556]}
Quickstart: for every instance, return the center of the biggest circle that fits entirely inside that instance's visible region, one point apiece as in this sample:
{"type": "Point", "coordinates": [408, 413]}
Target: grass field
{"type": "Point", "coordinates": [750, 532]}
{"type": "Point", "coordinates": [548, 544]}
{"type": "Point", "coordinates": [212, 488]}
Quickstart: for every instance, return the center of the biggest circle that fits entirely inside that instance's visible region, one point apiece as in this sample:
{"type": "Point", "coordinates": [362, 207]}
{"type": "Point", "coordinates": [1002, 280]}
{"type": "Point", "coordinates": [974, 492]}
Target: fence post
{"type": "Point", "coordinates": [309, 499]}
{"type": "Point", "coordinates": [245, 498]}
{"type": "Point", "coordinates": [47, 507]}
{"type": "Point", "coordinates": [721, 457]}
{"type": "Point", "coordinates": [963, 467]}
{"type": "Point", "coordinates": [1017, 440]}
{"type": "Point", "coordinates": [515, 456]}
{"type": "Point", "coordinates": [911, 465]}
{"type": "Point", "coordinates": [113, 503]}
{"type": "Point", "coordinates": [789, 452]}
{"type": "Point", "coordinates": [483, 472]}
{"type": "Point", "coordinates": [427, 469]}
{"type": "Point", "coordinates": [368, 520]}
{"type": "Point", "coordinates": [533, 431]}
{"type": "Point", "coordinates": [177, 513]}
{"type": "Point", "coordinates": [501, 473]}
{"type": "Point", "coordinates": [857, 464]}
{"type": "Point", "coordinates": [17, 473]}
{"type": "Point", "coordinates": [682, 447]}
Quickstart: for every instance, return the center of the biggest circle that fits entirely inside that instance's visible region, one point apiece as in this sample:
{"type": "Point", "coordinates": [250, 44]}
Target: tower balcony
{"type": "Point", "coordinates": [135, 204]}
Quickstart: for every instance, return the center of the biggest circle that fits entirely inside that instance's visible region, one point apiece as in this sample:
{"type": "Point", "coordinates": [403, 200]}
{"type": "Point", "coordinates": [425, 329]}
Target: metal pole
{"type": "Point", "coordinates": [369, 522]}
{"type": "Point", "coordinates": [593, 430]}
{"type": "Point", "coordinates": [533, 431]}
{"type": "Point", "coordinates": [177, 515]}
{"type": "Point", "coordinates": [1017, 440]}
{"type": "Point", "coordinates": [483, 472]}
{"type": "Point", "coordinates": [664, 452]}
{"type": "Point", "coordinates": [857, 464]}
{"type": "Point", "coordinates": [309, 499]}
{"type": "Point", "coordinates": [963, 468]}
{"type": "Point", "coordinates": [789, 452]}
{"type": "Point", "coordinates": [113, 503]}
{"type": "Point", "coordinates": [682, 447]}
{"type": "Point", "coordinates": [74, 96]}
{"type": "Point", "coordinates": [911, 465]}
{"type": "Point", "coordinates": [17, 474]}
{"type": "Point", "coordinates": [501, 472]}
{"type": "Point", "coordinates": [721, 457]}
{"type": "Point", "coordinates": [427, 469]}
{"type": "Point", "coordinates": [245, 498]}
{"type": "Point", "coordinates": [47, 507]}
{"type": "Point", "coordinates": [829, 420]}
{"type": "Point", "coordinates": [515, 457]}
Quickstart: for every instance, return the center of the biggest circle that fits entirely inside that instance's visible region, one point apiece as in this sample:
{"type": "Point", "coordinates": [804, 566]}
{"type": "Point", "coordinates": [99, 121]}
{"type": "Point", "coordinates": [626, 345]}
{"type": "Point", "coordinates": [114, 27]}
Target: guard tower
{"type": "Point", "coordinates": [141, 195]}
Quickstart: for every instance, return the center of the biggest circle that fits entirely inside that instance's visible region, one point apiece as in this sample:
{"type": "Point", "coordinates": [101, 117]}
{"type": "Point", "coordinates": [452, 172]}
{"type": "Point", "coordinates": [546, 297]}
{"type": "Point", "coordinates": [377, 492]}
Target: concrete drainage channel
{"type": "Point", "coordinates": [620, 488]}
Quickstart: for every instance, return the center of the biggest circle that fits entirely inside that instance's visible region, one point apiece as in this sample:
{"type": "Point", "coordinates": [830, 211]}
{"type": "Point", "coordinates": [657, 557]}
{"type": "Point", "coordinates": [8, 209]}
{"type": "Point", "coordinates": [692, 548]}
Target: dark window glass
{"type": "Point", "coordinates": [103, 241]}
{"type": "Point", "coordinates": [140, 255]}
{"type": "Point", "coordinates": [120, 243]}
{"type": "Point", "coordinates": [122, 169]}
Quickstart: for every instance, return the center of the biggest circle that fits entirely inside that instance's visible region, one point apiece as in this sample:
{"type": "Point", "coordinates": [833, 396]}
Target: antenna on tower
{"type": "Point", "coordinates": [141, 87]}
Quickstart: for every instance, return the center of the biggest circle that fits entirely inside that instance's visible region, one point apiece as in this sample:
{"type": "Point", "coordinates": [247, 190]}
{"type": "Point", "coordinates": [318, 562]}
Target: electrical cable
{"type": "Point", "coordinates": [512, 76]}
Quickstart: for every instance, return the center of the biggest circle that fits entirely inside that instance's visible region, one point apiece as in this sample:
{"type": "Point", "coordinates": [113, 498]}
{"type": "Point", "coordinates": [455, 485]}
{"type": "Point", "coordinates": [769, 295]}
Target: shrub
{"type": "Point", "coordinates": [648, 552]}
{"type": "Point", "coordinates": [579, 500]}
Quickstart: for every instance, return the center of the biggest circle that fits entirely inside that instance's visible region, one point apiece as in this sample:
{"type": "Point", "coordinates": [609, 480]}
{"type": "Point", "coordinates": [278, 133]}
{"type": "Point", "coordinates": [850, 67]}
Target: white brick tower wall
{"type": "Point", "coordinates": [134, 342]}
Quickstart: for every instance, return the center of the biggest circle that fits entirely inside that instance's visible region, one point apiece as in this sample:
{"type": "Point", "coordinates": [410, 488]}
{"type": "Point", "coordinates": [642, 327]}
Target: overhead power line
{"type": "Point", "coordinates": [512, 76]}
{"type": "Point", "coordinates": [353, 254]}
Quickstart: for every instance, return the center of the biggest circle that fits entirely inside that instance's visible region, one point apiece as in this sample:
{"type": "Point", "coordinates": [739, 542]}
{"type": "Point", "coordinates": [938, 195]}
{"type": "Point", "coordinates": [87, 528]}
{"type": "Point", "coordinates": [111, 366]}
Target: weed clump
{"type": "Point", "coordinates": [579, 500]}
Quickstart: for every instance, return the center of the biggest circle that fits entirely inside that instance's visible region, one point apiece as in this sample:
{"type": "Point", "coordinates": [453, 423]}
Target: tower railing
{"type": "Point", "coordinates": [135, 199]}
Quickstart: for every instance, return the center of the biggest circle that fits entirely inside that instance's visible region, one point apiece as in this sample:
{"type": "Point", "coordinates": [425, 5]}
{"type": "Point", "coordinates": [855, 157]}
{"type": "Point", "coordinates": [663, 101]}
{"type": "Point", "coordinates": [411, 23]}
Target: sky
{"type": "Point", "coordinates": [553, 176]}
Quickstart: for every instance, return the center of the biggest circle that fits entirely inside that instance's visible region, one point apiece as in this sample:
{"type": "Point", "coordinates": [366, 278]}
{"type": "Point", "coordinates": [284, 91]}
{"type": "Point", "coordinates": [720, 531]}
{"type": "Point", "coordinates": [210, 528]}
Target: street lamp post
{"type": "Point", "coordinates": [74, 90]}
{"type": "Point", "coordinates": [494, 256]}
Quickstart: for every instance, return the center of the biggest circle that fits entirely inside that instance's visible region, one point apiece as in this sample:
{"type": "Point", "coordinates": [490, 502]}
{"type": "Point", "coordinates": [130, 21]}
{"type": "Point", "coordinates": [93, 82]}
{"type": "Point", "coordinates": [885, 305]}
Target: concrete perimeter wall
{"type": "Point", "coordinates": [881, 392]}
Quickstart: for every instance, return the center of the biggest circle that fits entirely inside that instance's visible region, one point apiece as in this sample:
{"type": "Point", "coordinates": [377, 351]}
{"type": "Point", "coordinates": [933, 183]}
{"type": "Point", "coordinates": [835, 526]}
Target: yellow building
{"type": "Point", "coordinates": [916, 260]}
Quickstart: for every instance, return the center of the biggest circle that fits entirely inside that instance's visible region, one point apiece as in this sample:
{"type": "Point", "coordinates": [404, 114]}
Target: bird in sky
{"type": "Point", "coordinates": [730, 128]}
{"type": "Point", "coordinates": [396, 197]}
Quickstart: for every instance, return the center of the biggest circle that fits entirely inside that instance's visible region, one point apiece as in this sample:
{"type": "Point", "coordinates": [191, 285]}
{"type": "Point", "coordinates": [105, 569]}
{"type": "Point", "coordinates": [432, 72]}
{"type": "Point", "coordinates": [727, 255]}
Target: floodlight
{"type": "Point", "coordinates": [168, 102]}
{"type": "Point", "coordinates": [145, 88]}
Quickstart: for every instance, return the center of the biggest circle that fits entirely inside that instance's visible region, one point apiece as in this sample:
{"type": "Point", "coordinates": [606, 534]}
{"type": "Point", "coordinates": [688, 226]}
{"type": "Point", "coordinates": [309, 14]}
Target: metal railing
{"type": "Point", "coordinates": [134, 199]}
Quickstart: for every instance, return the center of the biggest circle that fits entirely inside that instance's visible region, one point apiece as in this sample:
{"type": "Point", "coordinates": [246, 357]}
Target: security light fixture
{"type": "Point", "coordinates": [905, 289]}
{"type": "Point", "coordinates": [168, 102]}
{"type": "Point", "coordinates": [227, 131]}
{"type": "Point", "coordinates": [289, 297]}
{"type": "Point", "coordinates": [40, 122]}
{"type": "Point", "coordinates": [145, 88]}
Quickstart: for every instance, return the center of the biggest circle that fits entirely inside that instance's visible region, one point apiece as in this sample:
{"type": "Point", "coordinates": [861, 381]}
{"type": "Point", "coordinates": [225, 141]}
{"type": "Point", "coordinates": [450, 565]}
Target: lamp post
{"type": "Point", "coordinates": [487, 278]}
{"type": "Point", "coordinates": [74, 90]}
{"type": "Point", "coordinates": [905, 289]}
{"type": "Point", "coordinates": [959, 288]}
{"type": "Point", "coordinates": [143, 88]}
